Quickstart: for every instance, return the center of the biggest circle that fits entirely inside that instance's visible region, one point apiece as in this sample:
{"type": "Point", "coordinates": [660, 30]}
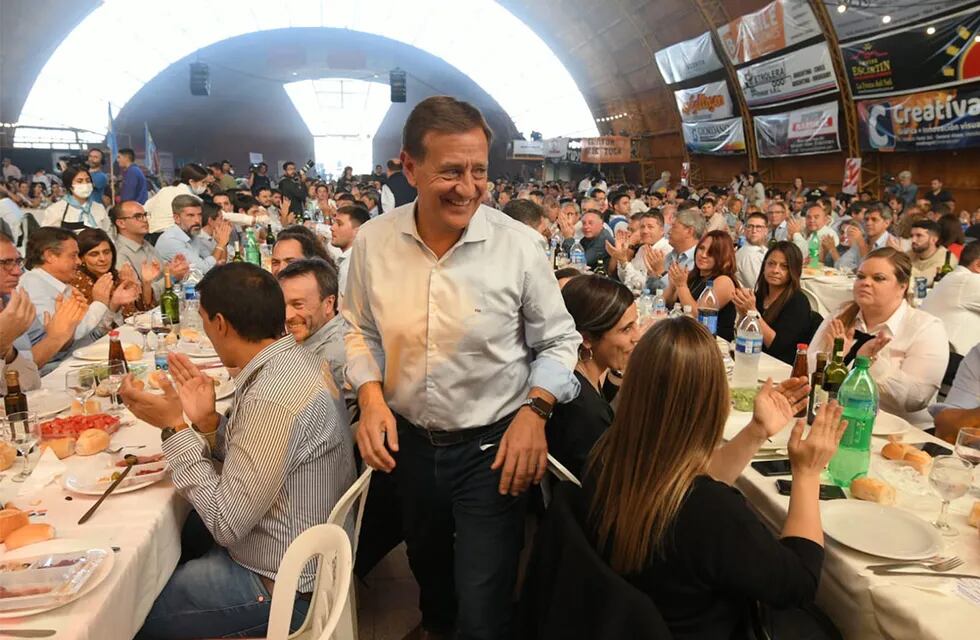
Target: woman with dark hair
{"type": "Point", "coordinates": [714, 260]}
{"type": "Point", "coordinates": [951, 234]}
{"type": "Point", "coordinates": [661, 508]}
{"type": "Point", "coordinates": [908, 347]}
{"type": "Point", "coordinates": [76, 211]}
{"type": "Point", "coordinates": [38, 195]}
{"type": "Point", "coordinates": [345, 181]}
{"type": "Point", "coordinates": [784, 312]}
{"type": "Point", "coordinates": [605, 316]}
{"type": "Point", "coordinates": [98, 256]}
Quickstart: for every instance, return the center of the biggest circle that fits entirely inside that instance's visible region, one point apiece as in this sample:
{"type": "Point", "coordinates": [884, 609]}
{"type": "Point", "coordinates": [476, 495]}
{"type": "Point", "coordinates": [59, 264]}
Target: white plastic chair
{"type": "Point", "coordinates": [357, 494]}
{"type": "Point", "coordinates": [329, 544]}
{"type": "Point", "coordinates": [560, 472]}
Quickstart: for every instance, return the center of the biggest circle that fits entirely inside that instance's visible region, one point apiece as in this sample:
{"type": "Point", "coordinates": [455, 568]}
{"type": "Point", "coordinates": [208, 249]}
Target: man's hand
{"type": "Point", "coordinates": [15, 319]}
{"type": "Point", "coordinates": [149, 271]}
{"type": "Point", "coordinates": [222, 232]}
{"type": "Point", "coordinates": [678, 276]}
{"type": "Point", "coordinates": [793, 227]}
{"type": "Point", "coordinates": [377, 424]}
{"type": "Point", "coordinates": [522, 455]}
{"type": "Point", "coordinates": [160, 411]}
{"type": "Point", "coordinates": [102, 289]}
{"type": "Point", "coordinates": [196, 391]}
{"type": "Point", "coordinates": [654, 261]}
{"type": "Point", "coordinates": [619, 251]}
{"type": "Point", "coordinates": [125, 293]}
{"type": "Point", "coordinates": [68, 312]}
{"type": "Point", "coordinates": [179, 267]}
{"type": "Point", "coordinates": [566, 224]}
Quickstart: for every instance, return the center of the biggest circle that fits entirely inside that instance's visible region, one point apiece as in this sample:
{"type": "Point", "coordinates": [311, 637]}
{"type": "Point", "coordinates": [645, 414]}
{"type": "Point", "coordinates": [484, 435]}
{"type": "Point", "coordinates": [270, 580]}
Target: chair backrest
{"type": "Point", "coordinates": [329, 544]}
{"type": "Point", "coordinates": [356, 494]}
{"type": "Point", "coordinates": [560, 472]}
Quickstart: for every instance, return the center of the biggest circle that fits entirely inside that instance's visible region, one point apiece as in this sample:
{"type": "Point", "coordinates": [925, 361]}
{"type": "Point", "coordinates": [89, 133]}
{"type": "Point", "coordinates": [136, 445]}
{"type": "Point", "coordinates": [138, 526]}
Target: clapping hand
{"type": "Point", "coordinates": [222, 232]}
{"type": "Point", "coordinates": [125, 293]}
{"type": "Point", "coordinates": [127, 273]}
{"type": "Point", "coordinates": [678, 276]}
{"type": "Point", "coordinates": [873, 347]}
{"type": "Point", "coordinates": [286, 206]}
{"type": "Point", "coordinates": [150, 270]}
{"type": "Point", "coordinates": [834, 331]}
{"type": "Point", "coordinates": [15, 319]}
{"type": "Point", "coordinates": [195, 388]}
{"type": "Point", "coordinates": [68, 312]}
{"type": "Point", "coordinates": [160, 411]}
{"type": "Point", "coordinates": [775, 405]}
{"type": "Point", "coordinates": [793, 226]}
{"type": "Point", "coordinates": [810, 456]}
{"type": "Point", "coordinates": [654, 260]}
{"type": "Point", "coordinates": [744, 300]}
{"type": "Point", "coordinates": [619, 251]}
{"type": "Point", "coordinates": [102, 289]}
{"type": "Point", "coordinates": [179, 267]}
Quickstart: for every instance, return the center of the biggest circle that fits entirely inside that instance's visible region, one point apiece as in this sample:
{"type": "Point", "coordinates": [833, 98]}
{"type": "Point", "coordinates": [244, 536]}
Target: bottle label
{"type": "Point", "coordinates": [748, 346]}
{"type": "Point", "coordinates": [710, 320]}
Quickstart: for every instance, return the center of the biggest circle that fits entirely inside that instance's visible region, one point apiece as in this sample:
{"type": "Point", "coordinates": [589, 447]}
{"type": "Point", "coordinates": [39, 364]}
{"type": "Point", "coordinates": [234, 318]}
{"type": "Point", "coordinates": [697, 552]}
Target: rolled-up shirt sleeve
{"type": "Point", "coordinates": [549, 331]}
{"type": "Point", "coordinates": [365, 352]}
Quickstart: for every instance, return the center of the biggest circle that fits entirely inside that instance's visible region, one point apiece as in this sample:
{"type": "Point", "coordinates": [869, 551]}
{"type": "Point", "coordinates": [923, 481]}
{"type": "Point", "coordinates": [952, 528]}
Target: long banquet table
{"type": "Point", "coordinates": [144, 524]}
{"type": "Point", "coordinates": [864, 605]}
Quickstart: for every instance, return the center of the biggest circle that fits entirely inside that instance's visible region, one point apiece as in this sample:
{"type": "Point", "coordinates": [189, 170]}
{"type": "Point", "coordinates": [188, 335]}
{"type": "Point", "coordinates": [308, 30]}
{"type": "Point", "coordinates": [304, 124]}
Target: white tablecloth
{"type": "Point", "coordinates": [144, 524]}
{"type": "Point", "coordinates": [868, 606]}
{"type": "Point", "coordinates": [827, 294]}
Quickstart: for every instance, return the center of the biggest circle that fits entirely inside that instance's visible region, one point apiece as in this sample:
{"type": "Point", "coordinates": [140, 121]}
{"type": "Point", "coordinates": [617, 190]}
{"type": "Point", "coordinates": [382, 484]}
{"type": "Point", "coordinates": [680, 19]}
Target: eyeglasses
{"type": "Point", "coordinates": [756, 227]}
{"type": "Point", "coordinates": [8, 265]}
{"type": "Point", "coordinates": [136, 216]}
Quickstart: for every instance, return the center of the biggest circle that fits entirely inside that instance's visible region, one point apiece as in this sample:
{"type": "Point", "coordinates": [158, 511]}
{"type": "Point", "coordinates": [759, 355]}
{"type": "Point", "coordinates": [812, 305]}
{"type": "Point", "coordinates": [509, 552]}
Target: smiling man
{"type": "Point", "coordinates": [456, 369]}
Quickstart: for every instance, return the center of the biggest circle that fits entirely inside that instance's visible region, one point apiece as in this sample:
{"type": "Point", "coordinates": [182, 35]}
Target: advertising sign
{"type": "Point", "coordinates": [864, 17]}
{"type": "Point", "coordinates": [914, 59]}
{"type": "Point", "coordinates": [688, 59]}
{"type": "Point", "coordinates": [555, 147]}
{"type": "Point", "coordinates": [527, 149]}
{"type": "Point", "coordinates": [718, 137]}
{"type": "Point", "coordinates": [799, 132]}
{"type": "Point", "coordinates": [708, 102]}
{"type": "Point", "coordinates": [605, 149]}
{"type": "Point", "coordinates": [805, 72]}
{"type": "Point", "coordinates": [772, 28]}
{"type": "Point", "coordinates": [927, 121]}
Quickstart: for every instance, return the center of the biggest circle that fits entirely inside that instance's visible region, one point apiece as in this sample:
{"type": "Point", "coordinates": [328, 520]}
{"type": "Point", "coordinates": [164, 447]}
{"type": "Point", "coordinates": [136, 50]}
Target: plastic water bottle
{"type": "Point", "coordinates": [644, 306]}
{"type": "Point", "coordinates": [748, 351]}
{"type": "Point", "coordinates": [553, 247]}
{"type": "Point", "coordinates": [814, 249]}
{"type": "Point", "coordinates": [708, 308]}
{"type": "Point", "coordinates": [676, 312]}
{"type": "Point", "coordinates": [858, 395]}
{"type": "Point", "coordinates": [577, 256]}
{"type": "Point", "coordinates": [659, 306]}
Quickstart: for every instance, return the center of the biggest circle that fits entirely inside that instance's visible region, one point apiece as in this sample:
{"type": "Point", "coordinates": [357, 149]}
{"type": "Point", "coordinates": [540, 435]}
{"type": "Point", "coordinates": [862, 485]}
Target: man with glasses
{"type": "Point", "coordinates": [777, 222]}
{"type": "Point", "coordinates": [748, 259]}
{"type": "Point", "coordinates": [684, 235]}
{"type": "Point", "coordinates": [130, 220]}
{"type": "Point", "coordinates": [16, 317]}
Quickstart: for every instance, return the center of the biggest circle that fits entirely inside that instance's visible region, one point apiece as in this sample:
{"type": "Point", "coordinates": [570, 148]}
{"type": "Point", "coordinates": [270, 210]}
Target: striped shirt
{"type": "Point", "coordinates": [288, 457]}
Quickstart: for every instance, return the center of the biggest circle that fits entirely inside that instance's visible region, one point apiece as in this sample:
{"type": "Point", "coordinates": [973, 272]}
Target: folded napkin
{"type": "Point", "coordinates": [48, 468]}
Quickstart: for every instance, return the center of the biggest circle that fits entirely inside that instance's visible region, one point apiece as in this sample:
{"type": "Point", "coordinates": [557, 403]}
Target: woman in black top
{"type": "Point", "coordinates": [605, 315]}
{"type": "Point", "coordinates": [714, 261]}
{"type": "Point", "coordinates": [661, 508]}
{"type": "Point", "coordinates": [784, 312]}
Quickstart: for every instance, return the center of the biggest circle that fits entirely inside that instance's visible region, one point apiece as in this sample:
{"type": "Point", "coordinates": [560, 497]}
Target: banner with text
{"type": "Point", "coordinates": [865, 17]}
{"type": "Point", "coordinates": [688, 59]}
{"type": "Point", "coordinates": [708, 102]}
{"type": "Point", "coordinates": [805, 72]}
{"type": "Point", "coordinates": [555, 147]}
{"type": "Point", "coordinates": [927, 121]}
{"type": "Point", "coordinates": [715, 138]}
{"type": "Point", "coordinates": [800, 132]}
{"type": "Point", "coordinates": [526, 149]}
{"type": "Point", "coordinates": [772, 28]}
{"type": "Point", "coordinates": [605, 149]}
{"type": "Point", "coordinates": [911, 58]}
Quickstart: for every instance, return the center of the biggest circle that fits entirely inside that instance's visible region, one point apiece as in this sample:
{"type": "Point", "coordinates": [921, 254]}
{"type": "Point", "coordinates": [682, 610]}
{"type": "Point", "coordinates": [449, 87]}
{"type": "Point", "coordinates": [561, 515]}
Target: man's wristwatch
{"type": "Point", "coordinates": [539, 406]}
{"type": "Point", "coordinates": [169, 431]}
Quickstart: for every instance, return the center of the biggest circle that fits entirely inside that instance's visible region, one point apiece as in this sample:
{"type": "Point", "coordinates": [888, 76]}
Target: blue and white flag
{"type": "Point", "coordinates": [152, 156]}
{"type": "Point", "coordinates": [110, 139]}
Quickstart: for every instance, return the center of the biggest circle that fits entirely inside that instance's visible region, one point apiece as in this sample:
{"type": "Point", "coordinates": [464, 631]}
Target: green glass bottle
{"type": "Point", "coordinates": [252, 253]}
{"type": "Point", "coordinates": [238, 253]}
{"type": "Point", "coordinates": [945, 269]}
{"type": "Point", "coordinates": [836, 371]}
{"type": "Point", "coordinates": [813, 247]}
{"type": "Point", "coordinates": [169, 301]}
{"type": "Point", "coordinates": [859, 397]}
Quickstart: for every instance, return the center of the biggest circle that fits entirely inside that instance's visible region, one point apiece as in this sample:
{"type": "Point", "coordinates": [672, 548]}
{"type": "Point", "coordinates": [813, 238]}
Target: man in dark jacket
{"type": "Point", "coordinates": [396, 191]}
{"type": "Point", "coordinates": [291, 186]}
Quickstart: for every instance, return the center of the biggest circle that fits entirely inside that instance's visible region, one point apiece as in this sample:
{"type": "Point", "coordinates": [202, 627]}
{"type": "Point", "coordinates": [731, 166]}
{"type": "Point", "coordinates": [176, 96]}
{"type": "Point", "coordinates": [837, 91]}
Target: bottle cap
{"type": "Point", "coordinates": [802, 346]}
{"type": "Point", "coordinates": [114, 333]}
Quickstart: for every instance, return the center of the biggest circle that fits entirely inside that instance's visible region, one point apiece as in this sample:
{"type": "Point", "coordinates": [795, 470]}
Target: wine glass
{"type": "Point", "coordinates": [161, 325]}
{"type": "Point", "coordinates": [968, 448]}
{"type": "Point", "coordinates": [21, 430]}
{"type": "Point", "coordinates": [115, 372]}
{"type": "Point", "coordinates": [143, 323]}
{"type": "Point", "coordinates": [81, 384]}
{"type": "Point", "coordinates": [950, 478]}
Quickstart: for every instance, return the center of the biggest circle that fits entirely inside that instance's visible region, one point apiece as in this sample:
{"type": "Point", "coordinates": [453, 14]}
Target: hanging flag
{"type": "Point", "coordinates": [852, 176]}
{"type": "Point", "coordinates": [152, 156]}
{"type": "Point", "coordinates": [110, 139]}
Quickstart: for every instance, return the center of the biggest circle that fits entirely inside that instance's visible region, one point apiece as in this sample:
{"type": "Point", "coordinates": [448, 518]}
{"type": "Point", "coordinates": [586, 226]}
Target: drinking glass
{"type": "Point", "coordinates": [115, 372]}
{"type": "Point", "coordinates": [161, 325]}
{"type": "Point", "coordinates": [143, 323]}
{"type": "Point", "coordinates": [21, 430]}
{"type": "Point", "coordinates": [81, 383]}
{"type": "Point", "coordinates": [950, 478]}
{"type": "Point", "coordinates": [968, 448]}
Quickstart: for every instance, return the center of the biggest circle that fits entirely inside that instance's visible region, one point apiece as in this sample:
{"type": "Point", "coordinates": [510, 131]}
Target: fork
{"type": "Point", "coordinates": [115, 451]}
{"type": "Point", "coordinates": [938, 564]}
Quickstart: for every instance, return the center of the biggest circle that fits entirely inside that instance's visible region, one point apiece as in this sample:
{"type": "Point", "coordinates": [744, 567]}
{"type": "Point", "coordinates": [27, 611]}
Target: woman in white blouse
{"type": "Point", "coordinates": [76, 211]}
{"type": "Point", "coordinates": [909, 349]}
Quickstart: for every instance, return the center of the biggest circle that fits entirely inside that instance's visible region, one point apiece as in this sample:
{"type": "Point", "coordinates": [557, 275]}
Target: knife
{"type": "Point", "coordinates": [130, 461]}
{"type": "Point", "coordinates": [27, 633]}
{"type": "Point", "coordinates": [931, 574]}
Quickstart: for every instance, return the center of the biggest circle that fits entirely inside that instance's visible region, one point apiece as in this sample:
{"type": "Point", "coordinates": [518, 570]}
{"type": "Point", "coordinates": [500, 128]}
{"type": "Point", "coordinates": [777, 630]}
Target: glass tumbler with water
{"type": "Point", "coordinates": [950, 478]}
{"type": "Point", "coordinates": [21, 430]}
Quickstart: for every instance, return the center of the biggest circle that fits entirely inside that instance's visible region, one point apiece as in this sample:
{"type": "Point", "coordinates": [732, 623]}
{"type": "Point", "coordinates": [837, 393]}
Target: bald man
{"type": "Point", "coordinates": [131, 224]}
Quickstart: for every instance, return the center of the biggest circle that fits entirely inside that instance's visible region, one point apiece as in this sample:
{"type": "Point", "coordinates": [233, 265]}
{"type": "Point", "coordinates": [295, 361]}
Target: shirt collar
{"type": "Point", "coordinates": [325, 333]}
{"type": "Point", "coordinates": [882, 241]}
{"type": "Point", "coordinates": [132, 245]}
{"type": "Point", "coordinates": [179, 234]}
{"type": "Point", "coordinates": [893, 323]}
{"type": "Point", "coordinates": [262, 357]}
{"type": "Point", "coordinates": [476, 231]}
{"type": "Point", "coordinates": [50, 279]}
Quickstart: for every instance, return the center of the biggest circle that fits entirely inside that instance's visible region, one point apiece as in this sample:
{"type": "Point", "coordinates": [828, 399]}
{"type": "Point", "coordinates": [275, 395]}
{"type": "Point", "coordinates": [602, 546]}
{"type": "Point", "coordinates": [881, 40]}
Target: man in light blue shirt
{"type": "Point", "coordinates": [100, 181]}
{"type": "Point", "coordinates": [184, 236]}
{"type": "Point", "coordinates": [684, 236]}
{"type": "Point", "coordinates": [962, 405]}
{"type": "Point", "coordinates": [876, 223]}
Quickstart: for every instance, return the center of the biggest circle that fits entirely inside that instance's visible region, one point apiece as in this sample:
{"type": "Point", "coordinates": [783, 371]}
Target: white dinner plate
{"type": "Point", "coordinates": [98, 352]}
{"type": "Point", "coordinates": [196, 349]}
{"type": "Point", "coordinates": [887, 424]}
{"type": "Point", "coordinates": [83, 487]}
{"type": "Point", "coordinates": [224, 390]}
{"type": "Point", "coordinates": [61, 545]}
{"type": "Point", "coordinates": [880, 530]}
{"type": "Point", "coordinates": [48, 402]}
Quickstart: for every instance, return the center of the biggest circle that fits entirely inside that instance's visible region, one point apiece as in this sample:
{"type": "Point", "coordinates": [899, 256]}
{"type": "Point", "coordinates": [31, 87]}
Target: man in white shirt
{"type": "Point", "coordinates": [956, 300]}
{"type": "Point", "coordinates": [16, 317]}
{"type": "Point", "coordinates": [713, 218]}
{"type": "Point", "coordinates": [650, 234]}
{"type": "Point", "coordinates": [343, 229]}
{"type": "Point", "coordinates": [459, 346]}
{"type": "Point", "coordinates": [684, 236]}
{"type": "Point", "coordinates": [777, 222]}
{"type": "Point", "coordinates": [184, 236]}
{"type": "Point", "coordinates": [817, 222]}
{"type": "Point", "coordinates": [10, 170]}
{"type": "Point", "coordinates": [748, 258]}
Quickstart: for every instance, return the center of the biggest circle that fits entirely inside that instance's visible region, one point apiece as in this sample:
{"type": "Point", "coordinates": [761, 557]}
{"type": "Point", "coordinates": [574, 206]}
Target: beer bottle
{"type": "Point", "coordinates": [15, 400]}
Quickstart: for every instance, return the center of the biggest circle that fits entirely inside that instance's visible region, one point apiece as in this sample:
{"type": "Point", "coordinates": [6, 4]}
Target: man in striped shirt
{"type": "Point", "coordinates": [286, 451]}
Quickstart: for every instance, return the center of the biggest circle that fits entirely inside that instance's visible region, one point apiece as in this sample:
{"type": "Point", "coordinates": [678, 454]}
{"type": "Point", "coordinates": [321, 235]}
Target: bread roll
{"type": "Point", "coordinates": [873, 490]}
{"type": "Point", "coordinates": [974, 518]}
{"type": "Point", "coordinates": [133, 353]}
{"type": "Point", "coordinates": [894, 450]}
{"type": "Point", "coordinates": [190, 335]}
{"type": "Point", "coordinates": [91, 441]}
{"type": "Point", "coordinates": [7, 455]}
{"type": "Point", "coordinates": [29, 534]}
{"type": "Point", "coordinates": [62, 447]}
{"type": "Point", "coordinates": [92, 407]}
{"type": "Point", "coordinates": [918, 459]}
{"type": "Point", "coordinates": [10, 521]}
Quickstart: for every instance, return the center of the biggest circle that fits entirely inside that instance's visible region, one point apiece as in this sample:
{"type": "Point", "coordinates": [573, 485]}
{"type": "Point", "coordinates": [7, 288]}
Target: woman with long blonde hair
{"type": "Point", "coordinates": [661, 508]}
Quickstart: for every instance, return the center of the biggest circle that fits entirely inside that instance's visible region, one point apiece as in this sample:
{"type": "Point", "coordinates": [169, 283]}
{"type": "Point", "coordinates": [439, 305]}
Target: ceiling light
{"type": "Point", "coordinates": [841, 8]}
{"type": "Point", "coordinates": [930, 30]}
{"type": "Point", "coordinates": [295, 74]}
{"type": "Point", "coordinates": [886, 19]}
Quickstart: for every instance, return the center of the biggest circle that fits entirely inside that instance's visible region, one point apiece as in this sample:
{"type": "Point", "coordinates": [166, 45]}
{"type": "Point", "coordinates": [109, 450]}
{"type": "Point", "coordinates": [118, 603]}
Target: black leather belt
{"type": "Point", "coordinates": [444, 438]}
